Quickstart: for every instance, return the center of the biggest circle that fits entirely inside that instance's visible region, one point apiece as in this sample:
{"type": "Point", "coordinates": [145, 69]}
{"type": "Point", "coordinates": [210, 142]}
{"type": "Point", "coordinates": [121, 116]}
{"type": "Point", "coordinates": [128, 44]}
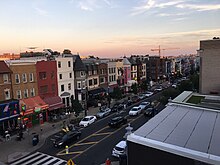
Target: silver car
{"type": "Point", "coordinates": [103, 112]}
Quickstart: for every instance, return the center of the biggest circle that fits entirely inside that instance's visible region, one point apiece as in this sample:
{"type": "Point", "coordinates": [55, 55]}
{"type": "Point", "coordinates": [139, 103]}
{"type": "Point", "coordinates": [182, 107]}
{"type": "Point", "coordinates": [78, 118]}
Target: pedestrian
{"type": "Point", "coordinates": [108, 161]}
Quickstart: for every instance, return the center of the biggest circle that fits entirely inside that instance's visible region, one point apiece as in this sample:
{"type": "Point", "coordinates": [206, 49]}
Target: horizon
{"type": "Point", "coordinates": [108, 28]}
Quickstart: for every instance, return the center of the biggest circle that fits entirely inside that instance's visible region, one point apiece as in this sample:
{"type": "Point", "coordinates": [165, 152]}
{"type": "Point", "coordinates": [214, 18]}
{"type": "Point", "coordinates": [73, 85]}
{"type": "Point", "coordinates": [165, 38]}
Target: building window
{"type": "Point", "coordinates": [95, 82]}
{"type": "Point", "coordinates": [62, 88]}
{"type": "Point", "coordinates": [61, 76]}
{"type": "Point", "coordinates": [5, 78]}
{"type": "Point", "coordinates": [102, 80]}
{"type": "Point", "coordinates": [43, 89]}
{"type": "Point", "coordinates": [7, 94]}
{"type": "Point", "coordinates": [83, 84]}
{"type": "Point", "coordinates": [32, 92]}
{"type": "Point", "coordinates": [24, 77]}
{"type": "Point", "coordinates": [95, 72]}
{"type": "Point", "coordinates": [17, 78]}
{"type": "Point", "coordinates": [52, 75]}
{"type": "Point", "coordinates": [70, 75]}
{"type": "Point", "coordinates": [90, 73]}
{"type": "Point", "coordinates": [69, 64]}
{"type": "Point", "coordinates": [31, 77]}
{"type": "Point", "coordinates": [69, 86]}
{"type": "Point", "coordinates": [82, 73]}
{"type": "Point", "coordinates": [26, 93]}
{"type": "Point", "coordinates": [42, 75]}
{"type": "Point", "coordinates": [19, 94]}
{"type": "Point", "coordinates": [90, 82]}
{"type": "Point", "coordinates": [59, 64]}
{"type": "Point", "coordinates": [79, 85]}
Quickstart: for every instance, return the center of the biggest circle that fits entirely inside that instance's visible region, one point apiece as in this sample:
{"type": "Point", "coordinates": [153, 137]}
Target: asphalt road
{"type": "Point", "coordinates": [97, 140]}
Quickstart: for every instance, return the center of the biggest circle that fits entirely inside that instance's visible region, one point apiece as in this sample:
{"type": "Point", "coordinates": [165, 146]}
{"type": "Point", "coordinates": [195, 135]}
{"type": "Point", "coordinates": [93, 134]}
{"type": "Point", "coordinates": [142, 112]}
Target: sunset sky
{"type": "Point", "coordinates": [108, 28]}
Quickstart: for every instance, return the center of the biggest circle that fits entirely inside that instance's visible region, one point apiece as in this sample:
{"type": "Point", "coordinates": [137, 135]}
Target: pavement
{"type": "Point", "coordinates": [12, 150]}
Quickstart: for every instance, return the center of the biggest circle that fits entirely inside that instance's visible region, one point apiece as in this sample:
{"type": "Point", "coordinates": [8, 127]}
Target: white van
{"type": "Point", "coordinates": [119, 149]}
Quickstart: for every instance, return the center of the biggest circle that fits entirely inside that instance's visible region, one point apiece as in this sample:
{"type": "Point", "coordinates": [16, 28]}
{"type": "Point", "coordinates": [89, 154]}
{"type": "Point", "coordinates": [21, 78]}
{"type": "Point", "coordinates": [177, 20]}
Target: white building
{"type": "Point", "coordinates": [65, 78]}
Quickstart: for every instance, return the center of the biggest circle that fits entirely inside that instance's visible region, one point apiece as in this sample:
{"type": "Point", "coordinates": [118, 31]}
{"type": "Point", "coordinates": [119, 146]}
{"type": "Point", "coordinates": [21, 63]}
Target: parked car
{"type": "Point", "coordinates": [105, 111]}
{"type": "Point", "coordinates": [135, 111]}
{"type": "Point", "coordinates": [141, 96]}
{"type": "Point", "coordinates": [135, 99]}
{"type": "Point", "coordinates": [158, 89]}
{"type": "Point", "coordinates": [144, 105]}
{"type": "Point", "coordinates": [86, 121]}
{"type": "Point", "coordinates": [117, 121]}
{"type": "Point", "coordinates": [148, 94]}
{"type": "Point", "coordinates": [117, 107]}
{"type": "Point", "coordinates": [127, 103]}
{"type": "Point", "coordinates": [62, 138]}
{"type": "Point", "coordinates": [150, 112]}
{"type": "Point", "coordinates": [119, 149]}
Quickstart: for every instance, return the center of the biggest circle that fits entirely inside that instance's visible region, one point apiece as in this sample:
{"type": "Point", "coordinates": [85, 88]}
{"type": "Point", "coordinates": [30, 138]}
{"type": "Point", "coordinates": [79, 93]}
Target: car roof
{"type": "Point", "coordinates": [89, 116]}
{"type": "Point", "coordinates": [121, 144]}
{"type": "Point", "coordinates": [135, 107]}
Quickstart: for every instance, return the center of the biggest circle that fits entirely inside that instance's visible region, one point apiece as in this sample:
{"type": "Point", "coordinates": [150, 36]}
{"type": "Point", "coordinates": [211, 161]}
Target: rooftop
{"type": "Point", "coordinates": [183, 130]}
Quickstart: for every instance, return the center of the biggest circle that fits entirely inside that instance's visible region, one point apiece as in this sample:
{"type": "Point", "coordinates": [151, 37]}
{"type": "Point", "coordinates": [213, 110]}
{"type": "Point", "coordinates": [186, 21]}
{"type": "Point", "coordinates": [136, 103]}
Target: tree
{"type": "Point", "coordinates": [134, 88]}
{"type": "Point", "coordinates": [77, 107]}
{"type": "Point", "coordinates": [117, 93]}
{"type": "Point", "coordinates": [186, 86]}
{"type": "Point", "coordinates": [67, 51]}
{"type": "Point", "coordinates": [144, 86]}
{"type": "Point", "coordinates": [195, 81]}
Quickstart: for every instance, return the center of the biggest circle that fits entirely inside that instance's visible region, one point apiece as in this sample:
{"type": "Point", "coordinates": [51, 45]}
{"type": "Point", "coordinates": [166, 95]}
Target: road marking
{"type": "Point", "coordinates": [39, 158]}
{"type": "Point", "coordinates": [104, 133]}
{"type": "Point", "coordinates": [71, 153]}
{"type": "Point", "coordinates": [80, 144]}
{"type": "Point", "coordinates": [94, 143]}
{"type": "Point", "coordinates": [64, 150]}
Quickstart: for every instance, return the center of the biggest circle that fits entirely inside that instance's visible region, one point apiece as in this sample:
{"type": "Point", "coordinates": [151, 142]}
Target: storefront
{"type": "Point", "coordinates": [33, 111]}
{"type": "Point", "coordinates": [9, 112]}
{"type": "Point", "coordinates": [55, 106]}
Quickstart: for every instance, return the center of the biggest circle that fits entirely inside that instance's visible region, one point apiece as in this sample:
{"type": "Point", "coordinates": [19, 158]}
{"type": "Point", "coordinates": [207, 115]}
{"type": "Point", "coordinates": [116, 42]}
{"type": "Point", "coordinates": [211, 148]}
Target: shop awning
{"type": "Point", "coordinates": [97, 91]}
{"type": "Point", "coordinates": [33, 104]}
{"type": "Point", "coordinates": [54, 102]}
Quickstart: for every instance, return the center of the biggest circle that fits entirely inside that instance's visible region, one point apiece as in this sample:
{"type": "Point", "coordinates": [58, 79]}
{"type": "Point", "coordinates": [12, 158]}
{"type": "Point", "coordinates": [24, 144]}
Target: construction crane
{"type": "Point", "coordinates": [159, 50]}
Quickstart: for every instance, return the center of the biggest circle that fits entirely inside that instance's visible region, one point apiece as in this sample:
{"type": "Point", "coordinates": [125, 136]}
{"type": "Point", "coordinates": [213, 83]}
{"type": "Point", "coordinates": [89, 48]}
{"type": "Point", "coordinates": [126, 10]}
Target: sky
{"type": "Point", "coordinates": [108, 28]}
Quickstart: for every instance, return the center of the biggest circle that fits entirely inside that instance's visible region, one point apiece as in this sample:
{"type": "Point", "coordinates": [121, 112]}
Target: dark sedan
{"type": "Point", "coordinates": [117, 121]}
{"type": "Point", "coordinates": [117, 107]}
{"type": "Point", "coordinates": [150, 112]}
{"type": "Point", "coordinates": [64, 138]}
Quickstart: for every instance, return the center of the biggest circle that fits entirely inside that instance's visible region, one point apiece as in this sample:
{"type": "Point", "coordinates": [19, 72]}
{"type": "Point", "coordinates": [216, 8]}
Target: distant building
{"type": "Point", "coordinates": [127, 74]}
{"type": "Point", "coordinates": [209, 66]}
{"type": "Point", "coordinates": [8, 56]}
{"type": "Point", "coordinates": [112, 81]}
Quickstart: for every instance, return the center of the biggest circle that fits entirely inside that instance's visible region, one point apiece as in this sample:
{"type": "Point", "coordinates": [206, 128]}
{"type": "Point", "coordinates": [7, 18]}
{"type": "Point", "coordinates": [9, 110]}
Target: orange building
{"type": "Point", "coordinates": [8, 56]}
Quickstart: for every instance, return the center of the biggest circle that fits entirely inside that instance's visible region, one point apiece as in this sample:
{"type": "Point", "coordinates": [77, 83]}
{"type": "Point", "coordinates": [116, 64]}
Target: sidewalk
{"type": "Point", "coordinates": [12, 150]}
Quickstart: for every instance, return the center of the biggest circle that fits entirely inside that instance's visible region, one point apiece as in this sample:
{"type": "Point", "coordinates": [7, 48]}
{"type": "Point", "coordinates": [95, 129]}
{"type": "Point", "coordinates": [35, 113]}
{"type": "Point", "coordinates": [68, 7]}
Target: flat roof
{"type": "Point", "coordinates": [191, 132]}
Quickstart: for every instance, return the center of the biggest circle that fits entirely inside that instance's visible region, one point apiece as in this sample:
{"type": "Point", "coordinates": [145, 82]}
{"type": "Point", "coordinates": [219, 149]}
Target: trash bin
{"type": "Point", "coordinates": [35, 139]}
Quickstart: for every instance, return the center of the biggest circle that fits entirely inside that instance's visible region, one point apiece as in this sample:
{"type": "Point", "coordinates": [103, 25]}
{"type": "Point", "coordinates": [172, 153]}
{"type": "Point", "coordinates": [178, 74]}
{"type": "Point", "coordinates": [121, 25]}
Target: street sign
{"type": "Point", "coordinates": [70, 162]}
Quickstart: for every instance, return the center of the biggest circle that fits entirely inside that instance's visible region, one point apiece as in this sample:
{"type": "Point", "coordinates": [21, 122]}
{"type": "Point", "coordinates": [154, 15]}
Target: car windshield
{"type": "Point", "coordinates": [134, 109]}
{"type": "Point", "coordinates": [119, 149]}
{"type": "Point", "coordinates": [115, 119]}
{"type": "Point", "coordinates": [144, 103]}
{"type": "Point", "coordinates": [102, 110]}
{"type": "Point", "coordinates": [85, 119]}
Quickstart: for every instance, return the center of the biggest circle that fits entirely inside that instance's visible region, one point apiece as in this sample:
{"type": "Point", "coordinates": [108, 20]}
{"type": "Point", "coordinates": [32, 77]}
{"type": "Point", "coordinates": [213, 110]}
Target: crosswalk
{"type": "Point", "coordinates": [39, 158]}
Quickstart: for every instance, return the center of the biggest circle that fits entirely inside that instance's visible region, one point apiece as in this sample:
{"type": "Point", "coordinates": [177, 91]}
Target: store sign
{"type": "Point", "coordinates": [37, 109]}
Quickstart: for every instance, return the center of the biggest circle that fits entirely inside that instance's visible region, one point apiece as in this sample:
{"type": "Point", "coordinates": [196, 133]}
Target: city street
{"type": "Point", "coordinates": [97, 140]}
